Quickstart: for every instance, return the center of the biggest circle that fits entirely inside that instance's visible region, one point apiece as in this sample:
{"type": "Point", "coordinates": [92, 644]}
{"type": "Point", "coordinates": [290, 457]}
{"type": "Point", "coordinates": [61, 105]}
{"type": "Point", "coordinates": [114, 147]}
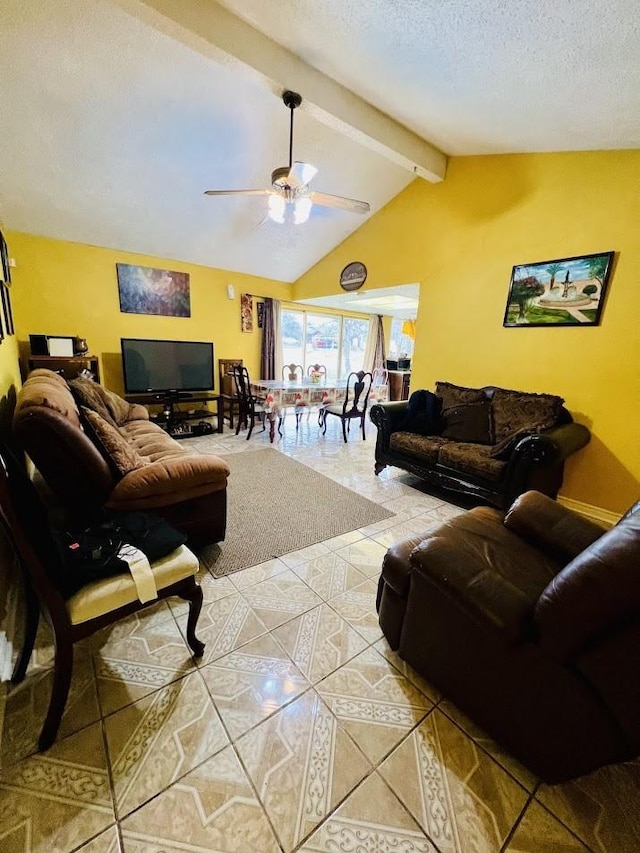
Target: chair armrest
{"type": "Point", "coordinates": [553, 528]}
{"type": "Point", "coordinates": [387, 417]}
{"type": "Point", "coordinates": [455, 565]}
{"type": "Point", "coordinates": [170, 481]}
{"type": "Point", "coordinates": [594, 594]}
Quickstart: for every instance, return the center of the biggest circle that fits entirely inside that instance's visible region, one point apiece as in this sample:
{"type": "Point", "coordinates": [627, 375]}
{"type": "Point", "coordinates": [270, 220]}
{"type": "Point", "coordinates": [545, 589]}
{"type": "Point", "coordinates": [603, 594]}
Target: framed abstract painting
{"type": "Point", "coordinates": [145, 290]}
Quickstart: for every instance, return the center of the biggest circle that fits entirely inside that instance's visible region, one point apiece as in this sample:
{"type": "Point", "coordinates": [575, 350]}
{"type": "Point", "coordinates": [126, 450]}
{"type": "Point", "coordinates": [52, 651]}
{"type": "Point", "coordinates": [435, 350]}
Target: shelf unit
{"type": "Point", "coordinates": [175, 421]}
{"type": "Point", "coordinates": [399, 381]}
{"type": "Point", "coordinates": [67, 366]}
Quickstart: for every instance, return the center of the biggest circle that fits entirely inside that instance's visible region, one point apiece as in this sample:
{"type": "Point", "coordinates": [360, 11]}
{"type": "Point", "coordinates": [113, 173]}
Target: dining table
{"type": "Point", "coordinates": [303, 395]}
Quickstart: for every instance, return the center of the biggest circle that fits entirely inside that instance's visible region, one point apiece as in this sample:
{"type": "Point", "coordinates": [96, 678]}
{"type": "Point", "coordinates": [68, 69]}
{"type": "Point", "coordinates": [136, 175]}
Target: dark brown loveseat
{"type": "Point", "coordinates": [97, 450]}
{"type": "Point", "coordinates": [490, 443]}
{"type": "Point", "coordinates": [530, 623]}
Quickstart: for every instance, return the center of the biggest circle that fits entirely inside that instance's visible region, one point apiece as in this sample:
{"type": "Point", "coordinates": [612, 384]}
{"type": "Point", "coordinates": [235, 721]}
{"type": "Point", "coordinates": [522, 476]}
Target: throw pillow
{"type": "Point", "coordinates": [112, 407]}
{"type": "Point", "coordinates": [516, 411]}
{"type": "Point", "coordinates": [457, 395]}
{"type": "Point", "coordinates": [470, 423]}
{"type": "Point", "coordinates": [90, 395]}
{"type": "Point", "coordinates": [422, 415]}
{"type": "Point", "coordinates": [119, 454]}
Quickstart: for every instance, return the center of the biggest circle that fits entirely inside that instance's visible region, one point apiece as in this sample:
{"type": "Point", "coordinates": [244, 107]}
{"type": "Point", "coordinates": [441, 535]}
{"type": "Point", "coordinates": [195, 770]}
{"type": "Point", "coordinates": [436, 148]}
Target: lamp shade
{"type": "Point", "coordinates": [409, 329]}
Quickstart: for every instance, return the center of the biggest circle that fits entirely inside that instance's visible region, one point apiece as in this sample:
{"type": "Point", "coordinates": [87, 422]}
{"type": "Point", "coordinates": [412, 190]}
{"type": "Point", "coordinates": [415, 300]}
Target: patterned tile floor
{"type": "Point", "coordinates": [299, 730]}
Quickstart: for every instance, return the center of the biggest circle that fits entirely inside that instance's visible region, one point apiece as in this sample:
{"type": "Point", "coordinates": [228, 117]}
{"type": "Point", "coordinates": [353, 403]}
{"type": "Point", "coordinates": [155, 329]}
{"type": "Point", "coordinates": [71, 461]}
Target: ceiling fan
{"type": "Point", "coordinates": [290, 199]}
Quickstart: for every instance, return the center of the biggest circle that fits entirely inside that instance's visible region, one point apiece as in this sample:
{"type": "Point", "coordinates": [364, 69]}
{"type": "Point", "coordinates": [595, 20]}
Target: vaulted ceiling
{"type": "Point", "coordinates": [118, 114]}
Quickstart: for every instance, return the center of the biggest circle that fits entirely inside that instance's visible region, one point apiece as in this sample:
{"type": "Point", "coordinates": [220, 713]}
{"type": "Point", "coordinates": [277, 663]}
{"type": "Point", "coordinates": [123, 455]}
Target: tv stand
{"type": "Point", "coordinates": [173, 420]}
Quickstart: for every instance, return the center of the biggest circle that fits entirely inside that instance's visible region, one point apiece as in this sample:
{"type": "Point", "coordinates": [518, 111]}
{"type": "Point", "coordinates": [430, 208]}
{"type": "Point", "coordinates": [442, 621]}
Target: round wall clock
{"type": "Point", "coordinates": [353, 276]}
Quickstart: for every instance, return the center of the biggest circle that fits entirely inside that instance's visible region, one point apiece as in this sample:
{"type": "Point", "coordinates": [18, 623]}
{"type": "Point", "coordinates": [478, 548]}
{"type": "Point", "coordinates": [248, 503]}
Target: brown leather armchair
{"type": "Point", "coordinates": [530, 623]}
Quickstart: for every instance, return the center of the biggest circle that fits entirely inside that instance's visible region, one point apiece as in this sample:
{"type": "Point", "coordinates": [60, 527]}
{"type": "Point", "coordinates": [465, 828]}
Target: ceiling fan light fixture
{"type": "Point", "coordinates": [301, 210]}
{"type": "Point", "coordinates": [277, 207]}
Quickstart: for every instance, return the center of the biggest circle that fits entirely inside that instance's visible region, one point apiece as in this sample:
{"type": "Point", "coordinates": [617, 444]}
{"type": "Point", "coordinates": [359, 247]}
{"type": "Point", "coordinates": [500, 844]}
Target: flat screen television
{"type": "Point", "coordinates": [166, 367]}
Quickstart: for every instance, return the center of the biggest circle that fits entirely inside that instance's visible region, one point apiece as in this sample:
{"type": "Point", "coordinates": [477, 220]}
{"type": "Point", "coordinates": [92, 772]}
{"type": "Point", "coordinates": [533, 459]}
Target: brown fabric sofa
{"type": "Point", "coordinates": [530, 623]}
{"type": "Point", "coordinates": [106, 452]}
{"type": "Point", "coordinates": [490, 443]}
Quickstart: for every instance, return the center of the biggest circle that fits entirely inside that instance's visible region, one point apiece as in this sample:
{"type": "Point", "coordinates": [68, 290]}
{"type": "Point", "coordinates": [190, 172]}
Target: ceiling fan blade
{"type": "Point", "coordinates": [237, 192]}
{"type": "Point", "coordinates": [338, 201]}
{"type": "Point", "coordinates": [300, 174]}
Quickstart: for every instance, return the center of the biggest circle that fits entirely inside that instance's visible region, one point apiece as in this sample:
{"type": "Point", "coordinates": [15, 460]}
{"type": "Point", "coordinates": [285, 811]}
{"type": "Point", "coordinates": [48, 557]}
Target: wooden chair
{"type": "Point", "coordinates": [228, 398]}
{"type": "Point", "coordinates": [317, 368]}
{"type": "Point", "coordinates": [293, 373]}
{"type": "Point", "coordinates": [98, 604]}
{"type": "Point", "coordinates": [380, 376]}
{"type": "Point", "coordinates": [250, 407]}
{"type": "Point", "coordinates": [314, 370]}
{"type": "Point", "coordinates": [380, 379]}
{"type": "Point", "coordinates": [355, 404]}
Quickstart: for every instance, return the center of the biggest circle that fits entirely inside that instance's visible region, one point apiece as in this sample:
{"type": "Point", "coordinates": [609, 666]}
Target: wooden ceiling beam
{"type": "Point", "coordinates": [212, 30]}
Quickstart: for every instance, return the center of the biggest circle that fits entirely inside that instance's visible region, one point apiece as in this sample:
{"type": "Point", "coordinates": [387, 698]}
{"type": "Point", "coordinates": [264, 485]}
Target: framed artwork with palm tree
{"type": "Point", "coordinates": [561, 292]}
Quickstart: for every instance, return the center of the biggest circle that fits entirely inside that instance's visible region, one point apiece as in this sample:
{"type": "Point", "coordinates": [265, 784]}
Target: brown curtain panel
{"type": "Point", "coordinates": [269, 342]}
{"type": "Point", "coordinates": [380, 356]}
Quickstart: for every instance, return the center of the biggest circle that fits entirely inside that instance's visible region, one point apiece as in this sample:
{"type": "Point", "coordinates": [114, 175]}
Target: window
{"type": "Point", "coordinates": [354, 342]}
{"type": "Point", "coordinates": [336, 341]}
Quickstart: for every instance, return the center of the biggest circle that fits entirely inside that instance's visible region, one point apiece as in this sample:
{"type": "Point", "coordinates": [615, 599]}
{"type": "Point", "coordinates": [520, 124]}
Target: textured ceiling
{"type": "Point", "coordinates": [112, 129]}
{"type": "Point", "coordinates": [477, 76]}
{"type": "Point", "coordinates": [112, 132]}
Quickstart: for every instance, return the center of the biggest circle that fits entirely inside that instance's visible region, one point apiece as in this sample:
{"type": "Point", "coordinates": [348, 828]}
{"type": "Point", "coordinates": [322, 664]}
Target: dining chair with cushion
{"type": "Point", "coordinates": [356, 401]}
{"type": "Point", "coordinates": [250, 407]}
{"type": "Point", "coordinates": [97, 604]}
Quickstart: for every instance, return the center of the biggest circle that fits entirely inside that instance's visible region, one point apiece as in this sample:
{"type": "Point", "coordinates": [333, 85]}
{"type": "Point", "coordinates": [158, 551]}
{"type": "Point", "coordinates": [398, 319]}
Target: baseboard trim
{"type": "Point", "coordinates": [593, 513]}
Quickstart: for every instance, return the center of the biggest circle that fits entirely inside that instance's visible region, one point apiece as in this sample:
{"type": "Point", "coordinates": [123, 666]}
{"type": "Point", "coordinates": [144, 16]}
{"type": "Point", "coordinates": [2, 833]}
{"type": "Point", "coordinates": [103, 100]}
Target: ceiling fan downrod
{"type": "Point", "coordinates": [291, 101]}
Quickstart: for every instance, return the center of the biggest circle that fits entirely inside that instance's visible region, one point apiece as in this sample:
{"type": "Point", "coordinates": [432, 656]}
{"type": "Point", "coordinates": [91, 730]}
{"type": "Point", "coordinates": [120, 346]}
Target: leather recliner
{"type": "Point", "coordinates": [530, 622]}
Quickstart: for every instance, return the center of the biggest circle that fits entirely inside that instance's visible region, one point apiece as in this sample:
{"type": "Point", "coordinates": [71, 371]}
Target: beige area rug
{"type": "Point", "coordinates": [277, 505]}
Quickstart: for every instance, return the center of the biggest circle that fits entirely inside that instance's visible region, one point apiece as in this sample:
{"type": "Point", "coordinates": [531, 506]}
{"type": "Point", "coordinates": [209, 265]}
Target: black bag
{"type": "Point", "coordinates": [91, 553]}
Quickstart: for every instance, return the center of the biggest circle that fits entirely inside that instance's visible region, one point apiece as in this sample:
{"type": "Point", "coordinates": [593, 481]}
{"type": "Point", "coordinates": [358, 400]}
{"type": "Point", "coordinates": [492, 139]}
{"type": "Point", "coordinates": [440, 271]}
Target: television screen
{"type": "Point", "coordinates": [166, 366]}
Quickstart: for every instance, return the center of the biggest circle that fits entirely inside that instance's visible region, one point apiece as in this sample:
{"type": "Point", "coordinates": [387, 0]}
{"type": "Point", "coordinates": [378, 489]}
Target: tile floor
{"type": "Point", "coordinates": [299, 730]}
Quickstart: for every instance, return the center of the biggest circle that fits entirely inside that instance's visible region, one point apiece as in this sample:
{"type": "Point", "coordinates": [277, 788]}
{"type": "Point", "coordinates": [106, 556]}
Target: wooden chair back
{"type": "Point", "coordinates": [292, 372]}
{"type": "Point", "coordinates": [356, 397]}
{"type": "Point", "coordinates": [317, 368]}
{"type": "Point", "coordinates": [380, 376]}
{"type": "Point", "coordinates": [225, 365]}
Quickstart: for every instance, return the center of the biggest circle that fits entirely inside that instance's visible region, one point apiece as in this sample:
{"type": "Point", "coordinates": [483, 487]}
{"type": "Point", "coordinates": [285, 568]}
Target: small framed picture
{"type": "Point", "coordinates": [59, 345]}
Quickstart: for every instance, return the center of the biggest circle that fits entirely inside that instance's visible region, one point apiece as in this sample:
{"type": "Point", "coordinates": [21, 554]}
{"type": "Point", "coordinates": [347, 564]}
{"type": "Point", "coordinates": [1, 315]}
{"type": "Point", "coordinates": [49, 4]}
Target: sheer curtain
{"type": "Point", "coordinates": [375, 353]}
{"type": "Point", "coordinates": [271, 353]}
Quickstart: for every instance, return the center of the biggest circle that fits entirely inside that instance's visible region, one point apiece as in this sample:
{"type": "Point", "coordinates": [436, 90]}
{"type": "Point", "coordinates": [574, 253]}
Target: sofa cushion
{"type": "Point", "coordinates": [458, 395]}
{"type": "Point", "coordinates": [110, 406]}
{"type": "Point", "coordinates": [422, 414]}
{"type": "Point", "coordinates": [487, 569]}
{"type": "Point", "coordinates": [117, 451]}
{"type": "Point", "coordinates": [46, 389]}
{"type": "Point", "coordinates": [474, 459]}
{"type": "Point", "coordinates": [516, 412]}
{"type": "Point", "coordinates": [152, 442]}
{"type": "Point", "coordinates": [468, 422]}
{"type": "Point", "coordinates": [169, 481]}
{"type": "Point", "coordinates": [422, 447]}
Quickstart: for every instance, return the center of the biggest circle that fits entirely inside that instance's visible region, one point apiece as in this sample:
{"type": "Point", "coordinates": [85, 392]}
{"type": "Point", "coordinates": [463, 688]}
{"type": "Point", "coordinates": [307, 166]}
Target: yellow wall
{"type": "Point", "coordinates": [65, 288]}
{"type": "Point", "coordinates": [460, 239]}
